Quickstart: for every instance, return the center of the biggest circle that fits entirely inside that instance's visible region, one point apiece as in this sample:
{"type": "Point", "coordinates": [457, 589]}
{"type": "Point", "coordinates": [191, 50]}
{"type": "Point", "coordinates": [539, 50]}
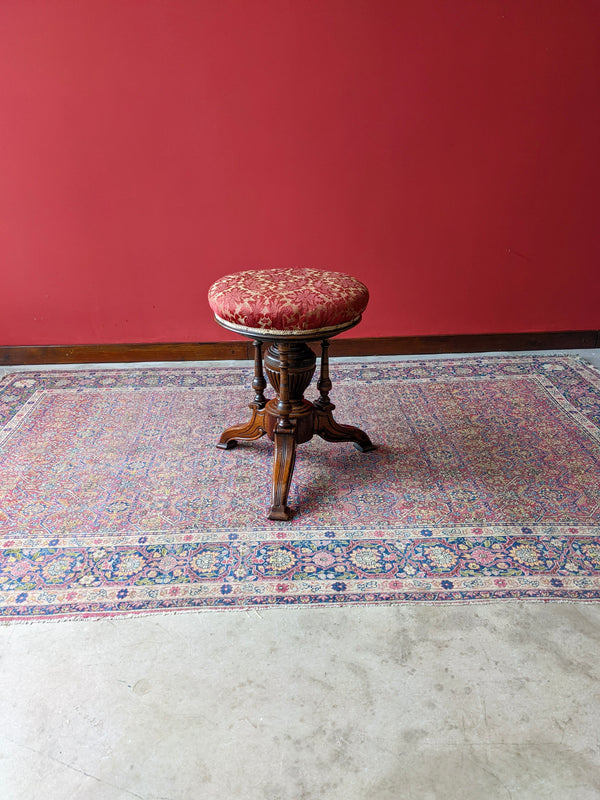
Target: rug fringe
{"type": "Point", "coordinates": [149, 613]}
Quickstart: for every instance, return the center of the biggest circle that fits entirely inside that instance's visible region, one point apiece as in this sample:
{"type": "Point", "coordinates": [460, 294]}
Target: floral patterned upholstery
{"type": "Point", "coordinates": [288, 302]}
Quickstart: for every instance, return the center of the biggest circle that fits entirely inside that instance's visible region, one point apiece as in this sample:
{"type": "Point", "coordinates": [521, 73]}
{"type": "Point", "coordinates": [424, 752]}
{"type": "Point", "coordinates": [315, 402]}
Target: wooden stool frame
{"type": "Point", "coordinates": [289, 419]}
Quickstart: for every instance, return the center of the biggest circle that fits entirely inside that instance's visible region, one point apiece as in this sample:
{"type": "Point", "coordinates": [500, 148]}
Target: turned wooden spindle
{"type": "Point", "coordinates": [259, 383]}
{"type": "Point", "coordinates": [324, 382]}
{"type": "Point", "coordinates": [284, 406]}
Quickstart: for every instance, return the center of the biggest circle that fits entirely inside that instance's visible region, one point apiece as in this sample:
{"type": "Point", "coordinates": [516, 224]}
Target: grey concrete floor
{"type": "Point", "coordinates": [476, 702]}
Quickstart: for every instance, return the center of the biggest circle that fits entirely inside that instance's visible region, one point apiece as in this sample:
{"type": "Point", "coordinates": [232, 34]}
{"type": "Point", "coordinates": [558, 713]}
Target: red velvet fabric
{"type": "Point", "coordinates": [289, 300]}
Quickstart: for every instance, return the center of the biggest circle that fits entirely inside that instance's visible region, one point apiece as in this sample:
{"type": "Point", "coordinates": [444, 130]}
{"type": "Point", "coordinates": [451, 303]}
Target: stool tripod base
{"type": "Point", "coordinates": [289, 419]}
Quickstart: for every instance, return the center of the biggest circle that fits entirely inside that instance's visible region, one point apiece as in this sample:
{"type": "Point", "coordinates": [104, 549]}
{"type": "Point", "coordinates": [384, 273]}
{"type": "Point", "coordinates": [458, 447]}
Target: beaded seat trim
{"type": "Point", "coordinates": [276, 332]}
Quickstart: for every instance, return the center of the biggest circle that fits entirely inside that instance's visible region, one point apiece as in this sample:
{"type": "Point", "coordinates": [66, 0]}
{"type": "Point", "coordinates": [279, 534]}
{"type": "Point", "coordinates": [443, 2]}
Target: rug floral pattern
{"type": "Point", "coordinates": [114, 500]}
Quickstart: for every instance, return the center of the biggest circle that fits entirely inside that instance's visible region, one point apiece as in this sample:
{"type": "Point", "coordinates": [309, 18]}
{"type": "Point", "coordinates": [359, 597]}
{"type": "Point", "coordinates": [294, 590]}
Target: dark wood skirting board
{"type": "Point", "coordinates": [116, 353]}
{"type": "Point", "coordinates": [242, 349]}
{"type": "Point", "coordinates": [466, 343]}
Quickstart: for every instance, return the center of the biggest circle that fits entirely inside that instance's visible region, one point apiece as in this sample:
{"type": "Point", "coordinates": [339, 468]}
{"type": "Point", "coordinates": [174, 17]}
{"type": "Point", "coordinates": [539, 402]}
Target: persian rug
{"type": "Point", "coordinates": [114, 499]}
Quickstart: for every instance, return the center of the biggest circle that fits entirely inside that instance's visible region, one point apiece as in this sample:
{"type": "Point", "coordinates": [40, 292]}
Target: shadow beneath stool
{"type": "Point", "coordinates": [323, 479]}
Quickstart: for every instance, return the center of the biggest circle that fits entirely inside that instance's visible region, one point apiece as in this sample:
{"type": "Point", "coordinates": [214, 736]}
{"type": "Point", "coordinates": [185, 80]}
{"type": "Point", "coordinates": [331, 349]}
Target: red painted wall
{"type": "Point", "coordinates": [447, 153]}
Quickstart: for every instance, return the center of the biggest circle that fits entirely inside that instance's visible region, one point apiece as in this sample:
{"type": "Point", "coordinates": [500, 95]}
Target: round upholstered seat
{"type": "Point", "coordinates": [288, 302]}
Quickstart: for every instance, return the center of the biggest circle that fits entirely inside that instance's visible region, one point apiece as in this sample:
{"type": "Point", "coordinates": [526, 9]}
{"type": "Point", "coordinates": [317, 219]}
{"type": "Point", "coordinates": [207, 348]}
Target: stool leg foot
{"type": "Point", "coordinates": [249, 432]}
{"type": "Point", "coordinates": [256, 427]}
{"type": "Point", "coordinates": [330, 430]}
{"type": "Point", "coordinates": [283, 468]}
{"type": "Point", "coordinates": [324, 424]}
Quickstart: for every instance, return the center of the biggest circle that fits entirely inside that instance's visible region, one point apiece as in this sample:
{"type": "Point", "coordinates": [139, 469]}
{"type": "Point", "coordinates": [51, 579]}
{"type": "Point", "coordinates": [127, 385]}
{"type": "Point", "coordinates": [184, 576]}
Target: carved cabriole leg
{"type": "Point", "coordinates": [256, 427]}
{"type": "Point", "coordinates": [330, 430]}
{"type": "Point", "coordinates": [285, 444]}
{"type": "Point", "coordinates": [324, 424]}
{"type": "Point", "coordinates": [284, 460]}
